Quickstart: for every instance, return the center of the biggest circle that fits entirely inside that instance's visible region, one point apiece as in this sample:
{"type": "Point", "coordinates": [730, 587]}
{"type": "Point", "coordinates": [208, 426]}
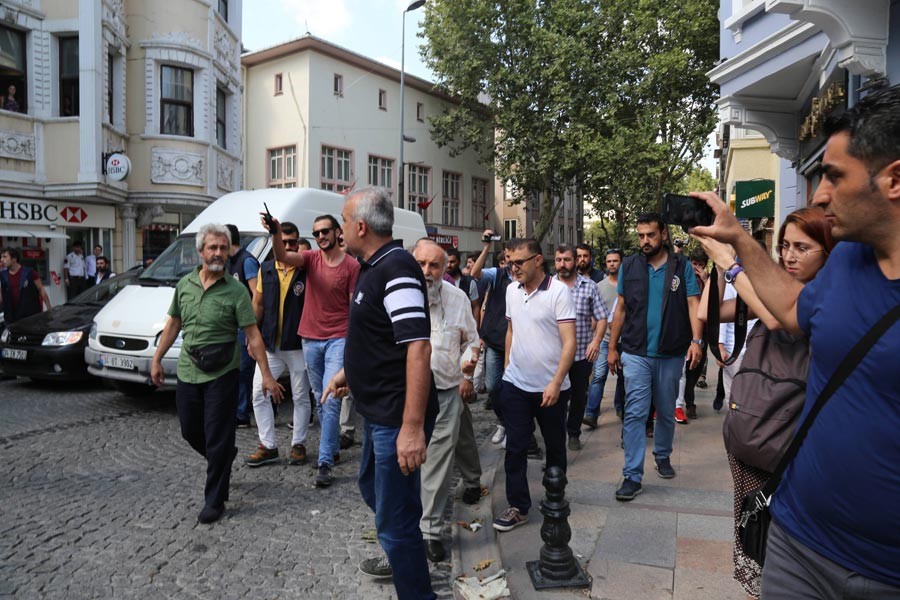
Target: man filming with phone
{"type": "Point", "coordinates": [654, 327]}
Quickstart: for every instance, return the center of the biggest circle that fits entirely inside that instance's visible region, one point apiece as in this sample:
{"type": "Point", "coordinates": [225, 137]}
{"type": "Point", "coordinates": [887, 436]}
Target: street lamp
{"type": "Point", "coordinates": [403, 138]}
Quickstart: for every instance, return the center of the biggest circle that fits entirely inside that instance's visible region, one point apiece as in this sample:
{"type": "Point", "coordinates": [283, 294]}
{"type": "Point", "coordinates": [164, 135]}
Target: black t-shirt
{"type": "Point", "coordinates": [387, 312]}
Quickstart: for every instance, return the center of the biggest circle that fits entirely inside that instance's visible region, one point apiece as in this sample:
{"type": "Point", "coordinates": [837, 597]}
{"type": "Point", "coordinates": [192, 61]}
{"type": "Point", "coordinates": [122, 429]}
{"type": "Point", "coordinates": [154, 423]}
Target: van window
{"type": "Point", "coordinates": [182, 257]}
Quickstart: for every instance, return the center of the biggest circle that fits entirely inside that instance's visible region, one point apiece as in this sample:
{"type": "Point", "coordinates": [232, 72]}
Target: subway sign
{"type": "Point", "coordinates": [754, 199]}
{"type": "Point", "coordinates": [62, 214]}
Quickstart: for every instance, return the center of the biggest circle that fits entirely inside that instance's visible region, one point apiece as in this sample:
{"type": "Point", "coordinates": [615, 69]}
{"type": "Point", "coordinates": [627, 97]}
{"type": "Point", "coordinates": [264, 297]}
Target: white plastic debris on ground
{"type": "Point", "coordinates": [490, 588]}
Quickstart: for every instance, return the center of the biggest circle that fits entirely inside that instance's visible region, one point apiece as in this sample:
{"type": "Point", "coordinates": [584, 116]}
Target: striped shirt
{"type": "Point", "coordinates": [588, 306]}
{"type": "Point", "coordinates": [387, 312]}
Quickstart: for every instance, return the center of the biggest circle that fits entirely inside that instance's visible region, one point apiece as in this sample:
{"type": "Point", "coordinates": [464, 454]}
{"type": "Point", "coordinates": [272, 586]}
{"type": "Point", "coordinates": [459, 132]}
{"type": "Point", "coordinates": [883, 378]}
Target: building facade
{"type": "Point", "coordinates": [150, 89]}
{"type": "Point", "coordinates": [318, 115]}
{"type": "Point", "coordinates": [785, 66]}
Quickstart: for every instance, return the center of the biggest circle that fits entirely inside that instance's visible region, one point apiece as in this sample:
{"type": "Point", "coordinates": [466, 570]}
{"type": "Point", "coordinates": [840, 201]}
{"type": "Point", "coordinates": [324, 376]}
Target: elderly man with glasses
{"type": "Point", "coordinates": [330, 279]}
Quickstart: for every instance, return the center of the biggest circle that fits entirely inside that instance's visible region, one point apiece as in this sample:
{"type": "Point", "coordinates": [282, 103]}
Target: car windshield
{"type": "Point", "coordinates": [103, 292]}
{"type": "Point", "coordinates": [182, 257]}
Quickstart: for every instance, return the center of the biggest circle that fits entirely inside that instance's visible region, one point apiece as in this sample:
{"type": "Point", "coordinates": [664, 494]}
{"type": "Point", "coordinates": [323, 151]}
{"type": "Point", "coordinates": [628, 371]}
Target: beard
{"type": "Point", "coordinates": [434, 290]}
{"type": "Point", "coordinates": [650, 251]}
{"type": "Point", "coordinates": [565, 273]}
{"type": "Point", "coordinates": [215, 265]}
{"type": "Point", "coordinates": [583, 269]}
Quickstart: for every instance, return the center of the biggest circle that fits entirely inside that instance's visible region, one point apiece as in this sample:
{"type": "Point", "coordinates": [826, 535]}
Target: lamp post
{"type": "Point", "coordinates": [401, 201]}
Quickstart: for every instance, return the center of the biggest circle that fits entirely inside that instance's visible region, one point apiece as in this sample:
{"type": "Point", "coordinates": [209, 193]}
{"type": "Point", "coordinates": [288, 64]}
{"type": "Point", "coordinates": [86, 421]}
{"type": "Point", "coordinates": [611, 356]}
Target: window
{"type": "Point", "coordinates": [223, 9]}
{"type": "Point", "coordinates": [278, 84]}
{"type": "Point", "coordinates": [417, 192]}
{"type": "Point", "coordinates": [177, 101]}
{"type": "Point", "coordinates": [509, 229]}
{"type": "Point", "coordinates": [13, 81]}
{"type": "Point", "coordinates": [382, 99]}
{"type": "Point", "coordinates": [381, 171]}
{"type": "Point", "coordinates": [451, 198]}
{"type": "Point", "coordinates": [562, 234]}
{"type": "Point", "coordinates": [110, 80]}
{"type": "Point", "coordinates": [338, 85]}
{"type": "Point", "coordinates": [336, 169]}
{"type": "Point", "coordinates": [282, 167]}
{"type": "Point", "coordinates": [420, 112]}
{"type": "Point", "coordinates": [68, 77]}
{"type": "Point", "coordinates": [221, 120]}
{"type": "Point", "coordinates": [479, 202]}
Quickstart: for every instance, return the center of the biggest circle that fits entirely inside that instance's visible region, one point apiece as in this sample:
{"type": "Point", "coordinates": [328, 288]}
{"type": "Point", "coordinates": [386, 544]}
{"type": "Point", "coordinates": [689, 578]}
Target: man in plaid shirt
{"type": "Point", "coordinates": [590, 326]}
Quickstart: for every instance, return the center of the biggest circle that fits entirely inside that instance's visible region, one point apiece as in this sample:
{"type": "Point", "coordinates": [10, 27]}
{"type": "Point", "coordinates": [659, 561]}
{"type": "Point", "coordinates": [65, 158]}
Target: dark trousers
{"type": "Point", "coordinates": [245, 380]}
{"type": "Point", "coordinates": [580, 378]}
{"type": "Point", "coordinates": [206, 412]}
{"type": "Point", "coordinates": [619, 398]}
{"type": "Point", "coordinates": [520, 410]}
{"type": "Point", "coordinates": [76, 286]}
{"type": "Point", "coordinates": [691, 377]}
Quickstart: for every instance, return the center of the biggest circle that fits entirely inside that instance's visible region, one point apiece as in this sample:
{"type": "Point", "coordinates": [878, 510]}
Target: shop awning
{"type": "Point", "coordinates": [32, 233]}
{"type": "Point", "coordinates": [754, 199]}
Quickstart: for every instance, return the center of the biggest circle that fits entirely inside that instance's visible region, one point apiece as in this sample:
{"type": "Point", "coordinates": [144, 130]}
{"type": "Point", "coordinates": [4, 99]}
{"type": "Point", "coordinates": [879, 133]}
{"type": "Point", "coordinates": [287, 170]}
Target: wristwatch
{"type": "Point", "coordinates": [732, 273]}
{"type": "Point", "coordinates": [698, 342]}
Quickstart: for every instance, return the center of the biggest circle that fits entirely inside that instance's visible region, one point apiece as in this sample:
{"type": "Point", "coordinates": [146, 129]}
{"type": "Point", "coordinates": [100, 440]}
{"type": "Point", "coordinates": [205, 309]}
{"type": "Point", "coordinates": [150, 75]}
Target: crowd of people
{"type": "Point", "coordinates": [408, 336]}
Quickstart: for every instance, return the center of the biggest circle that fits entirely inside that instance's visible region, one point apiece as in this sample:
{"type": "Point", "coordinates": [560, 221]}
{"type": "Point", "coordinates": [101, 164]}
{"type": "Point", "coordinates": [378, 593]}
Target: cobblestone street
{"type": "Point", "coordinates": [100, 497]}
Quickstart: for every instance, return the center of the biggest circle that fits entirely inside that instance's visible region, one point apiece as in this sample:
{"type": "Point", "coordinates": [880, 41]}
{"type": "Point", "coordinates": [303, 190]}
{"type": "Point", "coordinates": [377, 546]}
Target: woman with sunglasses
{"type": "Point", "coordinates": [804, 242]}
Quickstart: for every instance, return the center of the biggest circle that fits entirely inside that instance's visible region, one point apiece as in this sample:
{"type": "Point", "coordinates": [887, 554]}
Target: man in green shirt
{"type": "Point", "coordinates": [210, 308]}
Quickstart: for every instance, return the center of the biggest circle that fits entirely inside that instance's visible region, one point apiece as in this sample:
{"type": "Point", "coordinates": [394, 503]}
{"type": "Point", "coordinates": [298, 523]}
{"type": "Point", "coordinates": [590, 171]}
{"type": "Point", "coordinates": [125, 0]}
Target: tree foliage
{"type": "Point", "coordinates": [613, 100]}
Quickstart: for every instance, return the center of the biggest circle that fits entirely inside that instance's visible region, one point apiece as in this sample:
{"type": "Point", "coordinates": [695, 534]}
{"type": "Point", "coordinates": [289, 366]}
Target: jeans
{"type": "Point", "coordinates": [279, 362]}
{"type": "Point", "coordinates": [579, 375]}
{"type": "Point", "coordinates": [493, 373]}
{"type": "Point", "coordinates": [522, 409]}
{"type": "Point", "coordinates": [598, 382]}
{"type": "Point", "coordinates": [324, 358]}
{"type": "Point", "coordinates": [648, 380]}
{"type": "Point", "coordinates": [245, 380]}
{"type": "Point", "coordinates": [395, 499]}
{"type": "Point", "coordinates": [206, 414]}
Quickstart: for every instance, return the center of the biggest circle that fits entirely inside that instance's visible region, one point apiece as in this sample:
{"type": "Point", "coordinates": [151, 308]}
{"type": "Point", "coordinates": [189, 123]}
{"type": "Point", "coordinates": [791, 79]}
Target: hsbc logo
{"type": "Point", "coordinates": [73, 214]}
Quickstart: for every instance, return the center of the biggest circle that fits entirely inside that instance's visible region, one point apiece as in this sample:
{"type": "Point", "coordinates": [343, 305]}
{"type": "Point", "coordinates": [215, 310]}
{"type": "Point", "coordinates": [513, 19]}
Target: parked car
{"type": "Point", "coordinates": [50, 345]}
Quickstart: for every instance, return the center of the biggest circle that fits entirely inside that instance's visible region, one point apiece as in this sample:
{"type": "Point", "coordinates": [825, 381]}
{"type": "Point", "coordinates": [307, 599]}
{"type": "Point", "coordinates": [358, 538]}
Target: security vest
{"type": "Point", "coordinates": [29, 299]}
{"type": "Point", "coordinates": [493, 322]}
{"type": "Point", "coordinates": [291, 310]}
{"type": "Point", "coordinates": [236, 267]}
{"type": "Point", "coordinates": [675, 330]}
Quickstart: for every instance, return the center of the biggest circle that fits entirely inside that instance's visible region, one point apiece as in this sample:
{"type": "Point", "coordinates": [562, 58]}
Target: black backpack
{"type": "Point", "coordinates": [767, 397]}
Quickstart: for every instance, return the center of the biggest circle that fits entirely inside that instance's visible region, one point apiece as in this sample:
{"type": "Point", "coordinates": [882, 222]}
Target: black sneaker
{"type": "Point", "coordinates": [717, 404]}
{"type": "Point", "coordinates": [574, 444]}
{"type": "Point", "coordinates": [589, 421]}
{"type": "Point", "coordinates": [692, 411]}
{"type": "Point", "coordinates": [472, 495]}
{"type": "Point", "coordinates": [346, 440]}
{"type": "Point", "coordinates": [664, 468]}
{"type": "Point", "coordinates": [376, 567]}
{"type": "Point", "coordinates": [211, 514]}
{"type": "Point", "coordinates": [629, 490]}
{"type": "Point", "coordinates": [534, 451]}
{"type": "Point", "coordinates": [324, 478]}
{"type": "Point", "coordinates": [243, 424]}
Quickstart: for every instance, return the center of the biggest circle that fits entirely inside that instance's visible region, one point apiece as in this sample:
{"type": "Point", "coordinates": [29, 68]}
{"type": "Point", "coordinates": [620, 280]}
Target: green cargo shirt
{"type": "Point", "coordinates": [210, 316]}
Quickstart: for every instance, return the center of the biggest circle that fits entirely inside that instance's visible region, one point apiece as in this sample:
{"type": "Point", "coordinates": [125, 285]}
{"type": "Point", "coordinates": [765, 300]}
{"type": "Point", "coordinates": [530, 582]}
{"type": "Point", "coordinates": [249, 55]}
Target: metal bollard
{"type": "Point", "coordinates": [557, 566]}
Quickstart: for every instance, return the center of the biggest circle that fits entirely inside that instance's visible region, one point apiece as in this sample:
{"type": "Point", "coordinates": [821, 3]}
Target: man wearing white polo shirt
{"type": "Point", "coordinates": [540, 348]}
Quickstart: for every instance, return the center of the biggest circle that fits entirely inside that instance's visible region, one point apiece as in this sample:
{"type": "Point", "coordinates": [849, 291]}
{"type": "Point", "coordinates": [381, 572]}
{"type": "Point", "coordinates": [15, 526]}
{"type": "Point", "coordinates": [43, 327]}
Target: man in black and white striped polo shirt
{"type": "Point", "coordinates": [387, 361]}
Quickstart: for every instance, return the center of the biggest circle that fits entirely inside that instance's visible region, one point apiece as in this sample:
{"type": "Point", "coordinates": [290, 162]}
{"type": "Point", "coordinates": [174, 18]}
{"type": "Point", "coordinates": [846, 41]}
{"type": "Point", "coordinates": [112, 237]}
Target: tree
{"type": "Point", "coordinates": [612, 101]}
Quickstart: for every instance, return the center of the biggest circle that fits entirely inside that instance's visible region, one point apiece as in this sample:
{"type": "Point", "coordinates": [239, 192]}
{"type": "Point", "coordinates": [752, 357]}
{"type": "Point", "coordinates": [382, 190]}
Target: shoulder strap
{"type": "Point", "coordinates": [712, 322]}
{"type": "Point", "coordinates": [850, 362]}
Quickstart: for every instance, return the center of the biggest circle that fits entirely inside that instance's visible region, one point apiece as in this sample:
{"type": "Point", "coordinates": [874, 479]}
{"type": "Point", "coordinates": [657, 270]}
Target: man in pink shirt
{"type": "Point", "coordinates": [330, 278]}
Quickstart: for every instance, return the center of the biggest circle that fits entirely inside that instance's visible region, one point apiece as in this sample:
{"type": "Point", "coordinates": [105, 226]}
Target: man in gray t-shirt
{"type": "Point", "coordinates": [608, 289]}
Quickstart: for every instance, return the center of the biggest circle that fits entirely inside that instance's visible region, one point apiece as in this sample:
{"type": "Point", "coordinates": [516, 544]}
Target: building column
{"type": "Point", "coordinates": [128, 213]}
{"type": "Point", "coordinates": [90, 88]}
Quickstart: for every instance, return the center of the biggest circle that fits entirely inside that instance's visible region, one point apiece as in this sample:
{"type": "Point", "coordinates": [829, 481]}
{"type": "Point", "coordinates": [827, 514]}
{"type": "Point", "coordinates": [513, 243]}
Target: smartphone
{"type": "Point", "coordinates": [268, 218]}
{"type": "Point", "coordinates": [686, 211]}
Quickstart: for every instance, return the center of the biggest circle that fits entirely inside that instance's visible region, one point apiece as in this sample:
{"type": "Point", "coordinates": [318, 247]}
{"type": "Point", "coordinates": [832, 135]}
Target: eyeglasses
{"type": "Point", "coordinates": [520, 262]}
{"type": "Point", "coordinates": [800, 252]}
{"type": "Point", "coordinates": [324, 231]}
{"type": "Point", "coordinates": [291, 242]}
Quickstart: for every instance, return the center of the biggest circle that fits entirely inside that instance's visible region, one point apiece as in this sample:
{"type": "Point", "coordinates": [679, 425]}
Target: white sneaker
{"type": "Point", "coordinates": [499, 435]}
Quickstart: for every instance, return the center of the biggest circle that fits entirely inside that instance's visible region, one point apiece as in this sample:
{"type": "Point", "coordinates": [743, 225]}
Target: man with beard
{"type": "Point", "coordinates": [103, 272]}
{"type": "Point", "coordinates": [463, 282]}
{"type": "Point", "coordinates": [656, 317]}
{"type": "Point", "coordinates": [584, 257]}
{"type": "Point", "coordinates": [211, 307]}
{"type": "Point", "coordinates": [330, 278]}
{"type": "Point", "coordinates": [453, 330]}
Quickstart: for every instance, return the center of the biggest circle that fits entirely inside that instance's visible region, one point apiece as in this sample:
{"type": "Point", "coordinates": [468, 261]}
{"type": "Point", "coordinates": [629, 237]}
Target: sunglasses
{"type": "Point", "coordinates": [291, 242]}
{"type": "Point", "coordinates": [521, 261]}
{"type": "Point", "coordinates": [324, 231]}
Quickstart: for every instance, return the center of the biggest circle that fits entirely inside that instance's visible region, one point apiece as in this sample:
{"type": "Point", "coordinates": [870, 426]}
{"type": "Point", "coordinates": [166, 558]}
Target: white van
{"type": "Point", "coordinates": [126, 332]}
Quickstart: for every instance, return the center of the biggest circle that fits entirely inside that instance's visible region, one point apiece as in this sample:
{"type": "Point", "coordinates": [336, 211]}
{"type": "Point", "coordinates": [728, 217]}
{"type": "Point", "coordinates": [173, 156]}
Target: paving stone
{"type": "Point", "coordinates": [640, 536]}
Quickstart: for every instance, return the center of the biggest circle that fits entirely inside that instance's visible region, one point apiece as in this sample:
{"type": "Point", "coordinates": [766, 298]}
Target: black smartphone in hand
{"type": "Point", "coordinates": [686, 211]}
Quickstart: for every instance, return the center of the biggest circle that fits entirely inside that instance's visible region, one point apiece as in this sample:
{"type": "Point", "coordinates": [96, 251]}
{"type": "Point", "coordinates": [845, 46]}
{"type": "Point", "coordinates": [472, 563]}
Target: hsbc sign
{"type": "Point", "coordinates": [21, 211]}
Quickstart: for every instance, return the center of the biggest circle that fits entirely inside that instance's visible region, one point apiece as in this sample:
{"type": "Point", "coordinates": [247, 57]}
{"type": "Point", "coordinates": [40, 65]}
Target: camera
{"type": "Point", "coordinates": [492, 238]}
{"type": "Point", "coordinates": [686, 211]}
{"type": "Point", "coordinates": [679, 243]}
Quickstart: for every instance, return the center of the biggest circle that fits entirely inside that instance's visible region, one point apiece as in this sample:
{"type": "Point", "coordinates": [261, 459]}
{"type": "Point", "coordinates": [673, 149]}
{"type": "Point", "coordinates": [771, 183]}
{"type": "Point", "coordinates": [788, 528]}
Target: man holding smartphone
{"type": "Point", "coordinates": [654, 326]}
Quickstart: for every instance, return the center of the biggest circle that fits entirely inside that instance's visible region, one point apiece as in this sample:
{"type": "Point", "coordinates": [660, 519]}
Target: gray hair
{"type": "Point", "coordinates": [375, 209]}
{"type": "Point", "coordinates": [216, 229]}
{"type": "Point", "coordinates": [428, 241]}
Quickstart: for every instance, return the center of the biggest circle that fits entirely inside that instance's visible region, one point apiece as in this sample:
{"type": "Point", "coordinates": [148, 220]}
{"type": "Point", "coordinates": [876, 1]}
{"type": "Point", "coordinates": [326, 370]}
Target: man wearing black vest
{"type": "Point", "coordinates": [278, 304]}
{"type": "Point", "coordinates": [654, 326]}
{"type": "Point", "coordinates": [21, 290]}
{"type": "Point", "coordinates": [244, 267]}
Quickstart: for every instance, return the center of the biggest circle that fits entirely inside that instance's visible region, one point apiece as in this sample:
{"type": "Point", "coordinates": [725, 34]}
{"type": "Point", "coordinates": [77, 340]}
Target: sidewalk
{"type": "Point", "coordinates": [674, 541]}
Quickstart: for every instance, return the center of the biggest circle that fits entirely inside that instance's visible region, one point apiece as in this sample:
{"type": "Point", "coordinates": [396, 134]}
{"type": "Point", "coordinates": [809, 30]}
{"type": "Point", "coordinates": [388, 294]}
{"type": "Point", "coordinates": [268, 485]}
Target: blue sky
{"type": "Point", "coordinates": [369, 27]}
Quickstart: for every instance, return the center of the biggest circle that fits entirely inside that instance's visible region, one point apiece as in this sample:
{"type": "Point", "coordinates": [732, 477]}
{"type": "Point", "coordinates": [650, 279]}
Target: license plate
{"type": "Point", "coordinates": [116, 362]}
{"type": "Point", "coordinates": [15, 354]}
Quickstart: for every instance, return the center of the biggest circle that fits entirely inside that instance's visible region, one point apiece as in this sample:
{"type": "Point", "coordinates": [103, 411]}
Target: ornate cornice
{"type": "Point", "coordinates": [14, 144]}
{"type": "Point", "coordinates": [779, 128]}
{"type": "Point", "coordinates": [177, 167]}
